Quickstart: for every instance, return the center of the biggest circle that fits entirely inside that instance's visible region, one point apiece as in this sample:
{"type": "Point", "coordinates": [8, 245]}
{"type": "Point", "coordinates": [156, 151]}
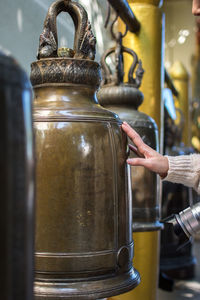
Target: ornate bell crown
{"type": "Point", "coordinates": [113, 89]}
{"type": "Point", "coordinates": [66, 66]}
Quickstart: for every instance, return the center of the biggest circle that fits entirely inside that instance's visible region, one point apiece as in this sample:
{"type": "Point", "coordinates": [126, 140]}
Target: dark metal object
{"type": "Point", "coordinates": [176, 261]}
{"type": "Point", "coordinates": [126, 14]}
{"type": "Point", "coordinates": [124, 99]}
{"type": "Point", "coordinates": [16, 183]}
{"type": "Point", "coordinates": [186, 222]}
{"type": "Point", "coordinates": [170, 84]}
{"type": "Point", "coordinates": [84, 246]}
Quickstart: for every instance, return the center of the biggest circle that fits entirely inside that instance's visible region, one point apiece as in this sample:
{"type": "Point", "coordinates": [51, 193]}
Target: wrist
{"type": "Point", "coordinates": [165, 168]}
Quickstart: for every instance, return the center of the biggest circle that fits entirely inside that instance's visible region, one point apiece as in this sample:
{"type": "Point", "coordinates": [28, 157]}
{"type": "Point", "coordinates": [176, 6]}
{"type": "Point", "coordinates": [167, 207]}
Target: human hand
{"type": "Point", "coordinates": [147, 157]}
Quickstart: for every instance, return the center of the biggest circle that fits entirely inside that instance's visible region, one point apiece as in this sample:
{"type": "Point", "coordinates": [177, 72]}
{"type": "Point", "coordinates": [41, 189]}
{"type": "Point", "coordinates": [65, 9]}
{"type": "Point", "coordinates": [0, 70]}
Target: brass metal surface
{"type": "Point", "coordinates": [16, 182]}
{"type": "Point", "coordinates": [84, 244]}
{"type": "Point", "coordinates": [145, 192]}
{"type": "Point", "coordinates": [65, 52]}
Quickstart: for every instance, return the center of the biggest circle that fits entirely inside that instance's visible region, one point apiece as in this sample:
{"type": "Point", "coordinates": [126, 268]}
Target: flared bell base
{"type": "Point", "coordinates": [84, 290]}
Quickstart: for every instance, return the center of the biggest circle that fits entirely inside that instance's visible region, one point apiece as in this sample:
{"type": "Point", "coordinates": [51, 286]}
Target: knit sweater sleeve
{"type": "Point", "coordinates": [185, 169]}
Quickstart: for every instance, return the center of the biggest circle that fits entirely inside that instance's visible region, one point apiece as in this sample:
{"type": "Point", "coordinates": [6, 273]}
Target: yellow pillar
{"type": "Point", "coordinates": [181, 81]}
{"type": "Point", "coordinates": [148, 44]}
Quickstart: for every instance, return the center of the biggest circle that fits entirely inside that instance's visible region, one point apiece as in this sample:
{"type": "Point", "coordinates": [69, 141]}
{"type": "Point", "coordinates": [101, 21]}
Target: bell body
{"type": "Point", "coordinates": [84, 246]}
{"type": "Point", "coordinates": [16, 182]}
{"type": "Point", "coordinates": [178, 264]}
{"type": "Point", "coordinates": [145, 187]}
{"type": "Point", "coordinates": [124, 101]}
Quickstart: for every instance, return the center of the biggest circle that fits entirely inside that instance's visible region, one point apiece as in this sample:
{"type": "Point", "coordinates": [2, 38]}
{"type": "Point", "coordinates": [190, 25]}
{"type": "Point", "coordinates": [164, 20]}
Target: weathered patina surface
{"type": "Point", "coordinates": [84, 244]}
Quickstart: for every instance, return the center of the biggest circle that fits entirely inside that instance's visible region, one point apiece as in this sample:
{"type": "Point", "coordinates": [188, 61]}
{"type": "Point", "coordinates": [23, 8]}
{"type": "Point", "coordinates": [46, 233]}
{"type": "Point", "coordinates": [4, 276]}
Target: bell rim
{"type": "Point", "coordinates": [147, 227]}
{"type": "Point", "coordinates": [110, 94]}
{"type": "Point", "coordinates": [123, 283]}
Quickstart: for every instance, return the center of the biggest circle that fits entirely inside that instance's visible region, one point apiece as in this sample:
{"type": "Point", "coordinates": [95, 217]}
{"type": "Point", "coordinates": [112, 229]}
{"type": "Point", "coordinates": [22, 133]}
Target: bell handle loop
{"type": "Point", "coordinates": [136, 82]}
{"type": "Point", "coordinates": [134, 63]}
{"type": "Point", "coordinates": [112, 31]}
{"type": "Point", "coordinates": [84, 40]}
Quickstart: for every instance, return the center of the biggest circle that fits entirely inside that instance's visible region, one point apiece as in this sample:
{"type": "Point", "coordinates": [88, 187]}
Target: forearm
{"type": "Point", "coordinates": [185, 169]}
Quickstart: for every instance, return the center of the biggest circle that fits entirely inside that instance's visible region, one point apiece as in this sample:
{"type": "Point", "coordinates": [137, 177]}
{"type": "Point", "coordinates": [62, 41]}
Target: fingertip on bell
{"type": "Point", "coordinates": [128, 161]}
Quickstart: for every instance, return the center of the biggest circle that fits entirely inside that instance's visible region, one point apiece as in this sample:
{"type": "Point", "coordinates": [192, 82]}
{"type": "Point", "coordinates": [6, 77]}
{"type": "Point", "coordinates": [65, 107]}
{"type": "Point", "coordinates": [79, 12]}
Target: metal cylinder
{"type": "Point", "coordinates": [189, 220]}
{"type": "Point", "coordinates": [16, 182]}
{"type": "Point", "coordinates": [84, 244]}
{"type": "Point", "coordinates": [186, 221]}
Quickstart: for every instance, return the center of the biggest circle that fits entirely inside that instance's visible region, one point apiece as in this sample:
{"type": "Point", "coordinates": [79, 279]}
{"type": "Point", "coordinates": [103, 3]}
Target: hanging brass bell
{"type": "Point", "coordinates": [84, 246]}
{"type": "Point", "coordinates": [124, 99]}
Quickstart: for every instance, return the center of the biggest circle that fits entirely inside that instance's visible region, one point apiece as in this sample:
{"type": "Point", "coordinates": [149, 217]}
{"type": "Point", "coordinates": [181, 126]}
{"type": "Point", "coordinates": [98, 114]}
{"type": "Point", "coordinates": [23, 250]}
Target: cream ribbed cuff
{"type": "Point", "coordinates": [184, 169]}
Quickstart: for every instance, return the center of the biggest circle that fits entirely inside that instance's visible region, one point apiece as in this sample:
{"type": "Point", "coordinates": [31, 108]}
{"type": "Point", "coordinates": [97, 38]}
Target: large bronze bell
{"type": "Point", "coordinates": [16, 182]}
{"type": "Point", "coordinates": [84, 246]}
